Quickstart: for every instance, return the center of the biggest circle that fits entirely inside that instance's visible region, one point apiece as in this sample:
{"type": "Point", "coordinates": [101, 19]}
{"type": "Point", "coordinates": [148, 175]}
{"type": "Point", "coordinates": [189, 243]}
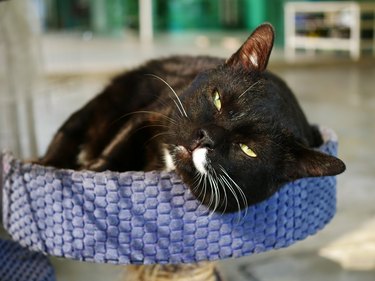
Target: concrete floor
{"type": "Point", "coordinates": [339, 94]}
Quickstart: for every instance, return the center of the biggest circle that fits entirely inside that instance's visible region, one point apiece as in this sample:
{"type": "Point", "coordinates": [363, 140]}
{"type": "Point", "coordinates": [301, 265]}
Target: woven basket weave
{"type": "Point", "coordinates": [19, 264]}
{"type": "Point", "coordinates": [151, 218]}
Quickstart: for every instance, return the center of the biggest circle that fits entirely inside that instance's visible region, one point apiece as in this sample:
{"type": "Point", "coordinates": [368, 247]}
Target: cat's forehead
{"type": "Point", "coordinates": [245, 97]}
{"type": "Point", "coordinates": [227, 78]}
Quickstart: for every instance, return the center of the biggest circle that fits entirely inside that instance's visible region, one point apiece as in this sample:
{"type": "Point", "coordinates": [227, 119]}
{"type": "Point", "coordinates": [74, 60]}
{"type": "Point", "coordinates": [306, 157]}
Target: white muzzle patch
{"type": "Point", "coordinates": [200, 160]}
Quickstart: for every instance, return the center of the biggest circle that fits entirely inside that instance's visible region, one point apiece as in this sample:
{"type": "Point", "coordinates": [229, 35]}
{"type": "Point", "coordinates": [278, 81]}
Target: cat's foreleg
{"type": "Point", "coordinates": [109, 155]}
{"type": "Point", "coordinates": [64, 148]}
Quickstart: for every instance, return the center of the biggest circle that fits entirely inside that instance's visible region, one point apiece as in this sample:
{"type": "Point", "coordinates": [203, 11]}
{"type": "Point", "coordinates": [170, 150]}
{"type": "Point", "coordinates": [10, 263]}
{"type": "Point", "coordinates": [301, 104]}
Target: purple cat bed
{"type": "Point", "coordinates": [20, 264]}
{"type": "Point", "coordinates": [148, 218]}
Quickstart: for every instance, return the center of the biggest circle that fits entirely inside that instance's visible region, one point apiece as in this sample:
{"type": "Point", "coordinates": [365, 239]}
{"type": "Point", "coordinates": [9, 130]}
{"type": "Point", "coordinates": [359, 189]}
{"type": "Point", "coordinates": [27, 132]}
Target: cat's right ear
{"type": "Point", "coordinates": [255, 52]}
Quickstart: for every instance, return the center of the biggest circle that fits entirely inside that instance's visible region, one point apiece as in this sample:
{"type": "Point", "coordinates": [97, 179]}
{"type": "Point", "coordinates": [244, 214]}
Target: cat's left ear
{"type": "Point", "coordinates": [255, 52]}
{"type": "Point", "coordinates": [305, 162]}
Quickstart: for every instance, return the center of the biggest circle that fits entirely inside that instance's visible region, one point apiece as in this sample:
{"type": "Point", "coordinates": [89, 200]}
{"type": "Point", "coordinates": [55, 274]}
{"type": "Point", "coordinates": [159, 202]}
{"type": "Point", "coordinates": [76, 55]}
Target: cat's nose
{"type": "Point", "coordinates": [203, 139]}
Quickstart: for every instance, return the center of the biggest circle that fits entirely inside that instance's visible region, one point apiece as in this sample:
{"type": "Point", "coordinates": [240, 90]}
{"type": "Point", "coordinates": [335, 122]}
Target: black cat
{"type": "Point", "coordinates": [233, 131]}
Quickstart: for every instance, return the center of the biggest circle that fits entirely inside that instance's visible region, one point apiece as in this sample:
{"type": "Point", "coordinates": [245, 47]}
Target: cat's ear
{"type": "Point", "coordinates": [306, 162]}
{"type": "Point", "coordinates": [255, 52]}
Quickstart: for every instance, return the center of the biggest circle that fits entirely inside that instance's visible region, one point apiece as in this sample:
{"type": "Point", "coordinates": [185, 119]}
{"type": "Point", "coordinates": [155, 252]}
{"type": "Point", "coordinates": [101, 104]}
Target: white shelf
{"type": "Point", "coordinates": [346, 16]}
{"type": "Point", "coordinates": [321, 43]}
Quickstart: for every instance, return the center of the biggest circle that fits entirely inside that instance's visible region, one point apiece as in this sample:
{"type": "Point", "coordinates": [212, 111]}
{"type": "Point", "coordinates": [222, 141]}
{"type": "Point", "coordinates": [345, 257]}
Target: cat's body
{"type": "Point", "coordinates": [132, 96]}
{"type": "Point", "coordinates": [233, 131]}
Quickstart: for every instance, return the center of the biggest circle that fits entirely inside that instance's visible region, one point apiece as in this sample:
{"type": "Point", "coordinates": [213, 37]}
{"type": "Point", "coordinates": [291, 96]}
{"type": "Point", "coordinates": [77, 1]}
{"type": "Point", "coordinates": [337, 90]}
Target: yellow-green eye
{"type": "Point", "coordinates": [217, 100]}
{"type": "Point", "coordinates": [248, 151]}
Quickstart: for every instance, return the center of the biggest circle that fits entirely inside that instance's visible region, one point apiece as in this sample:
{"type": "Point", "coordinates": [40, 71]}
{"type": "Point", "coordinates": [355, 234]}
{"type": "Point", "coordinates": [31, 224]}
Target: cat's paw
{"type": "Point", "coordinates": [99, 164]}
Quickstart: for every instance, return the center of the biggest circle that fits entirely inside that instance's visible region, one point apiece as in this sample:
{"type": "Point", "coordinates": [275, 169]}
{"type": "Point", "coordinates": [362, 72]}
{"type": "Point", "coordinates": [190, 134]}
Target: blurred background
{"type": "Point", "coordinates": [57, 54]}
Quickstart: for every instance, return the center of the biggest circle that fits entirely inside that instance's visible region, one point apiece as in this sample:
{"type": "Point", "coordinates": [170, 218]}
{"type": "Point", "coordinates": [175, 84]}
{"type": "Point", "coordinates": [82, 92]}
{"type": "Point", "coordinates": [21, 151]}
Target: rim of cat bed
{"type": "Point", "coordinates": [151, 217]}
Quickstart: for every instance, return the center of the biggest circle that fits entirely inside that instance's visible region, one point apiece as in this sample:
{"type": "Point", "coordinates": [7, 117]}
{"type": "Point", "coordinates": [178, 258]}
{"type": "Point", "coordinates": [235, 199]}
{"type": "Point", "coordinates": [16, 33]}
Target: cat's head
{"type": "Point", "coordinates": [239, 134]}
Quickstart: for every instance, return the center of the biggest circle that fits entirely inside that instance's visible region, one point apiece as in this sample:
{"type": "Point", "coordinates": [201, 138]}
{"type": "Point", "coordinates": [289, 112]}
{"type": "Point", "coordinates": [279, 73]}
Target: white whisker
{"type": "Point", "coordinates": [148, 112]}
{"type": "Point", "coordinates": [232, 191]}
{"type": "Point", "coordinates": [222, 183]}
{"type": "Point", "coordinates": [216, 194]}
{"type": "Point", "coordinates": [248, 89]}
{"type": "Point", "coordinates": [159, 135]}
{"type": "Point", "coordinates": [211, 191]}
{"type": "Point", "coordinates": [179, 105]}
{"type": "Point", "coordinates": [235, 196]}
{"type": "Point", "coordinates": [217, 190]}
{"type": "Point", "coordinates": [227, 178]}
{"type": "Point", "coordinates": [198, 181]}
{"type": "Point", "coordinates": [205, 184]}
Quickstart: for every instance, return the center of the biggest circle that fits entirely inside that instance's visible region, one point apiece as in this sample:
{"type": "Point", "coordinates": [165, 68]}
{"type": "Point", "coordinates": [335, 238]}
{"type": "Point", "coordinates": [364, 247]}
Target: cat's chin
{"type": "Point", "coordinates": [197, 158]}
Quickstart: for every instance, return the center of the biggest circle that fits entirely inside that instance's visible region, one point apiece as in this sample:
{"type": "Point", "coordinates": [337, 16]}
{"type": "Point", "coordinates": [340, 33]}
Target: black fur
{"type": "Point", "coordinates": [130, 124]}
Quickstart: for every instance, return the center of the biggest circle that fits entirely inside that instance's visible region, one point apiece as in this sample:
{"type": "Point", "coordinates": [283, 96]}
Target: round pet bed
{"type": "Point", "coordinates": [148, 218]}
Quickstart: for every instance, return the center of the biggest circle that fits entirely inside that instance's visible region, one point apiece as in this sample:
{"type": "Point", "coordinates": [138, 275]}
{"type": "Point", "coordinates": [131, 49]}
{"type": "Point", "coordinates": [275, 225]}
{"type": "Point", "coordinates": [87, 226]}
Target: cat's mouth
{"type": "Point", "coordinates": [198, 156]}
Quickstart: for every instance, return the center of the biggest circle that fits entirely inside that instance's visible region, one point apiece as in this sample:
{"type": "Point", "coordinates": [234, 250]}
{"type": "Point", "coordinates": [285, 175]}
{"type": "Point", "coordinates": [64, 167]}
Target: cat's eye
{"type": "Point", "coordinates": [247, 150]}
{"type": "Point", "coordinates": [217, 100]}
